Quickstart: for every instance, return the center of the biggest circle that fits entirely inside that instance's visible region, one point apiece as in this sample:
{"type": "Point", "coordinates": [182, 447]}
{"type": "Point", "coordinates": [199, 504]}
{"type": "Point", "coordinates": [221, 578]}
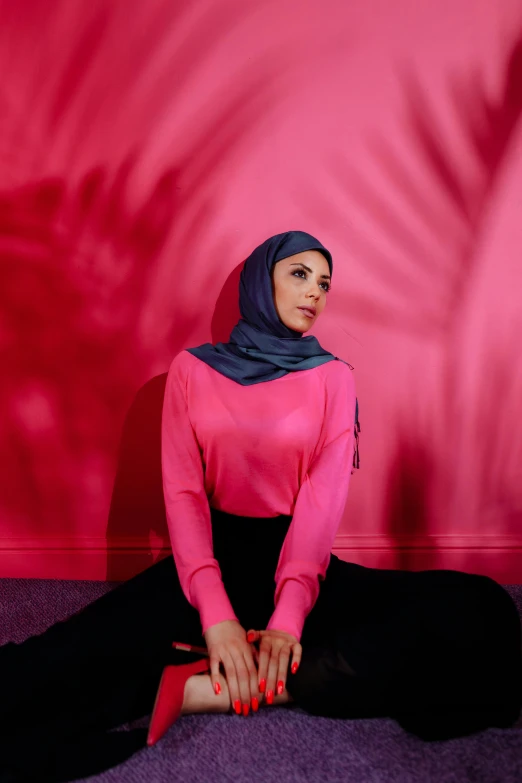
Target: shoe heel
{"type": "Point", "coordinates": [190, 648]}
{"type": "Point", "coordinates": [169, 698]}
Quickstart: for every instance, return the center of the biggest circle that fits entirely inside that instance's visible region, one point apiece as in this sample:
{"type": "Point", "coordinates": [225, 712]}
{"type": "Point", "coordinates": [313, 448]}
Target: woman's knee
{"type": "Point", "coordinates": [317, 686]}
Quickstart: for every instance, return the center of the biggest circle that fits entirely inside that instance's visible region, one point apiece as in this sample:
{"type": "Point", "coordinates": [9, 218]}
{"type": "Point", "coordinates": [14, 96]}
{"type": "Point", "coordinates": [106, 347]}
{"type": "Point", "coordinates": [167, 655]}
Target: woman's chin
{"type": "Point", "coordinates": [298, 324]}
{"type": "Point", "coordinates": [299, 327]}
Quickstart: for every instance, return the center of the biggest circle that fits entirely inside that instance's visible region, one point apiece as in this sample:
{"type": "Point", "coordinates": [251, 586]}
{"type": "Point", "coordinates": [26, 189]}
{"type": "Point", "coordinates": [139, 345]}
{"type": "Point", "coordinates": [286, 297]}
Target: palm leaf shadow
{"type": "Point", "coordinates": [423, 293]}
{"type": "Point", "coordinates": [416, 272]}
{"type": "Point", "coordinates": [490, 130]}
{"type": "Point", "coordinates": [494, 452]}
{"type": "Point", "coordinates": [53, 234]}
{"type": "Point", "coordinates": [411, 306]}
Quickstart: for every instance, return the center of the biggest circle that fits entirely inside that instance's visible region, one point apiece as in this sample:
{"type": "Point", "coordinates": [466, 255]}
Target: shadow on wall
{"type": "Point", "coordinates": [427, 297]}
{"type": "Point", "coordinates": [68, 315]}
{"type": "Point", "coordinates": [407, 516]}
{"type": "Point", "coordinates": [80, 256]}
{"type": "Point", "coordinates": [137, 504]}
{"type": "Point", "coordinates": [421, 292]}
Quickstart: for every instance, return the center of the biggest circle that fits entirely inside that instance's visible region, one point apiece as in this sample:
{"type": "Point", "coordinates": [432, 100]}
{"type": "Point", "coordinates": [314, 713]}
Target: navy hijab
{"type": "Point", "coordinates": [261, 348]}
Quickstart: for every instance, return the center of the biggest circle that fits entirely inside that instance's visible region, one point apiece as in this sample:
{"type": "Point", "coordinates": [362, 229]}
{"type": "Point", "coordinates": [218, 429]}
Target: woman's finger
{"type": "Point", "coordinates": [297, 652]}
{"type": "Point", "coordinates": [255, 655]}
{"type": "Point", "coordinates": [284, 658]}
{"type": "Point", "coordinates": [214, 672]}
{"type": "Point", "coordinates": [265, 649]}
{"type": "Point", "coordinates": [232, 681]}
{"type": "Point", "coordinates": [252, 676]}
{"type": "Point", "coordinates": [252, 637]}
{"type": "Point", "coordinates": [273, 667]}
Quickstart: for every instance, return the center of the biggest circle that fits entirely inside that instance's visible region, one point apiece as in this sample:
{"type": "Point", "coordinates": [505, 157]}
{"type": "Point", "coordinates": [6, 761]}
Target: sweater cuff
{"type": "Point", "coordinates": [291, 610]}
{"type": "Point", "coordinates": [210, 598]}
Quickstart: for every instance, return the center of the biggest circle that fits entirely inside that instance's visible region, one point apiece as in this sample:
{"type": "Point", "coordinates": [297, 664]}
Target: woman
{"type": "Point", "coordinates": [259, 436]}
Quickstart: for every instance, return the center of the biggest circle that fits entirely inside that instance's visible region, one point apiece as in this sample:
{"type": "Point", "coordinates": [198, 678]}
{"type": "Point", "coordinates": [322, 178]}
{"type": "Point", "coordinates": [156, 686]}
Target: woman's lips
{"type": "Point", "coordinates": [306, 312]}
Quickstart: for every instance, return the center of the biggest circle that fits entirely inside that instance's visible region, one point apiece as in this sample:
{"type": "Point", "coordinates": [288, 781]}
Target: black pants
{"type": "Point", "coordinates": [438, 651]}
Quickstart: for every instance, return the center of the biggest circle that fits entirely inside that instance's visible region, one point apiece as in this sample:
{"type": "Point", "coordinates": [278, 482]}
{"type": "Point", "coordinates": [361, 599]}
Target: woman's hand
{"type": "Point", "coordinates": [227, 645]}
{"type": "Point", "coordinates": [272, 659]}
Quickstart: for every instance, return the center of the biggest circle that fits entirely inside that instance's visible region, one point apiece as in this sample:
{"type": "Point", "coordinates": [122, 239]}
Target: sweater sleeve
{"type": "Point", "coordinates": [187, 507]}
{"type": "Point", "coordinates": [322, 496]}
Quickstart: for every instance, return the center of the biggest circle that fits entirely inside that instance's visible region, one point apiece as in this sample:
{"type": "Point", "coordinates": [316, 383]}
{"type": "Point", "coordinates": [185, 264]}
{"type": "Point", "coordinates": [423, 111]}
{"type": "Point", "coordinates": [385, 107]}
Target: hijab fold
{"type": "Point", "coordinates": [261, 348]}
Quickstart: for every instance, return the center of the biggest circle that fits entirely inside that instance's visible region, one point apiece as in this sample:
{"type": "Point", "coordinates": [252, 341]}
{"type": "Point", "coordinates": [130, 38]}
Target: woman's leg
{"type": "Point", "coordinates": [439, 651]}
{"type": "Point", "coordinates": [200, 696]}
{"type": "Point", "coordinates": [100, 667]}
{"type": "Point", "coordinates": [474, 658]}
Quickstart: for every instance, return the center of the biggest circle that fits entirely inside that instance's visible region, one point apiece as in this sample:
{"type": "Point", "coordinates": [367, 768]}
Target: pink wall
{"type": "Point", "coordinates": [144, 153]}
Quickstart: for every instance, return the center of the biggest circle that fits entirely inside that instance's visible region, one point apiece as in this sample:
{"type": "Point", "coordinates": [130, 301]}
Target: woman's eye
{"type": "Point", "coordinates": [302, 272]}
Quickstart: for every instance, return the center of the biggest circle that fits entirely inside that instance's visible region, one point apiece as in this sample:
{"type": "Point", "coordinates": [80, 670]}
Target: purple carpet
{"type": "Point", "coordinates": [275, 745]}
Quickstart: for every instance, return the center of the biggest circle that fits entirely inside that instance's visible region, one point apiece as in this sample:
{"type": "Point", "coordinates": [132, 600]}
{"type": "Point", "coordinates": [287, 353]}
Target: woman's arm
{"type": "Point", "coordinates": [187, 507]}
{"type": "Point", "coordinates": [321, 500]}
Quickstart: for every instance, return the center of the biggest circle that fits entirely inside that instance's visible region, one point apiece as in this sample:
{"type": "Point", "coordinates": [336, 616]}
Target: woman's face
{"type": "Point", "coordinates": [301, 280]}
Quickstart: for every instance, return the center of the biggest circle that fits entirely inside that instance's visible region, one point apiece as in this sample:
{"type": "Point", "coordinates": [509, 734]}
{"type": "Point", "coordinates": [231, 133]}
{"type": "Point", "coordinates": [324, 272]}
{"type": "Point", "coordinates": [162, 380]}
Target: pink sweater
{"type": "Point", "coordinates": [279, 447]}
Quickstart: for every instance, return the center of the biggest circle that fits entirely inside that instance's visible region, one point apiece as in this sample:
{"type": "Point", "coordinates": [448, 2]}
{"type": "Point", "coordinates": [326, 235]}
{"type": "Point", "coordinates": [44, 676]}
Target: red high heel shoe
{"type": "Point", "coordinates": [171, 691]}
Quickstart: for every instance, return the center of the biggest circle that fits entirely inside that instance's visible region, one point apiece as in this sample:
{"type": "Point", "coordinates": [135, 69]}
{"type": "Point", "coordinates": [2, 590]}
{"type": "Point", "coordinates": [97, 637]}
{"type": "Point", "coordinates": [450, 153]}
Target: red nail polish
{"type": "Point", "coordinates": [217, 688]}
{"type": "Point", "coordinates": [246, 708]}
{"type": "Point", "coordinates": [237, 706]}
{"type": "Point", "coordinates": [280, 687]}
{"type": "Point", "coordinates": [250, 636]}
{"type": "Point", "coordinates": [295, 666]}
{"type": "Point", "coordinates": [270, 697]}
{"type": "Point", "coordinates": [262, 685]}
{"type": "Point", "coordinates": [255, 703]}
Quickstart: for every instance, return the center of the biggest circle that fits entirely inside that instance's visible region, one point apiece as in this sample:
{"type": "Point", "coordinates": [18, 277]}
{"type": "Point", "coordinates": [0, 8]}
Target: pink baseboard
{"type": "Point", "coordinates": [96, 558]}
